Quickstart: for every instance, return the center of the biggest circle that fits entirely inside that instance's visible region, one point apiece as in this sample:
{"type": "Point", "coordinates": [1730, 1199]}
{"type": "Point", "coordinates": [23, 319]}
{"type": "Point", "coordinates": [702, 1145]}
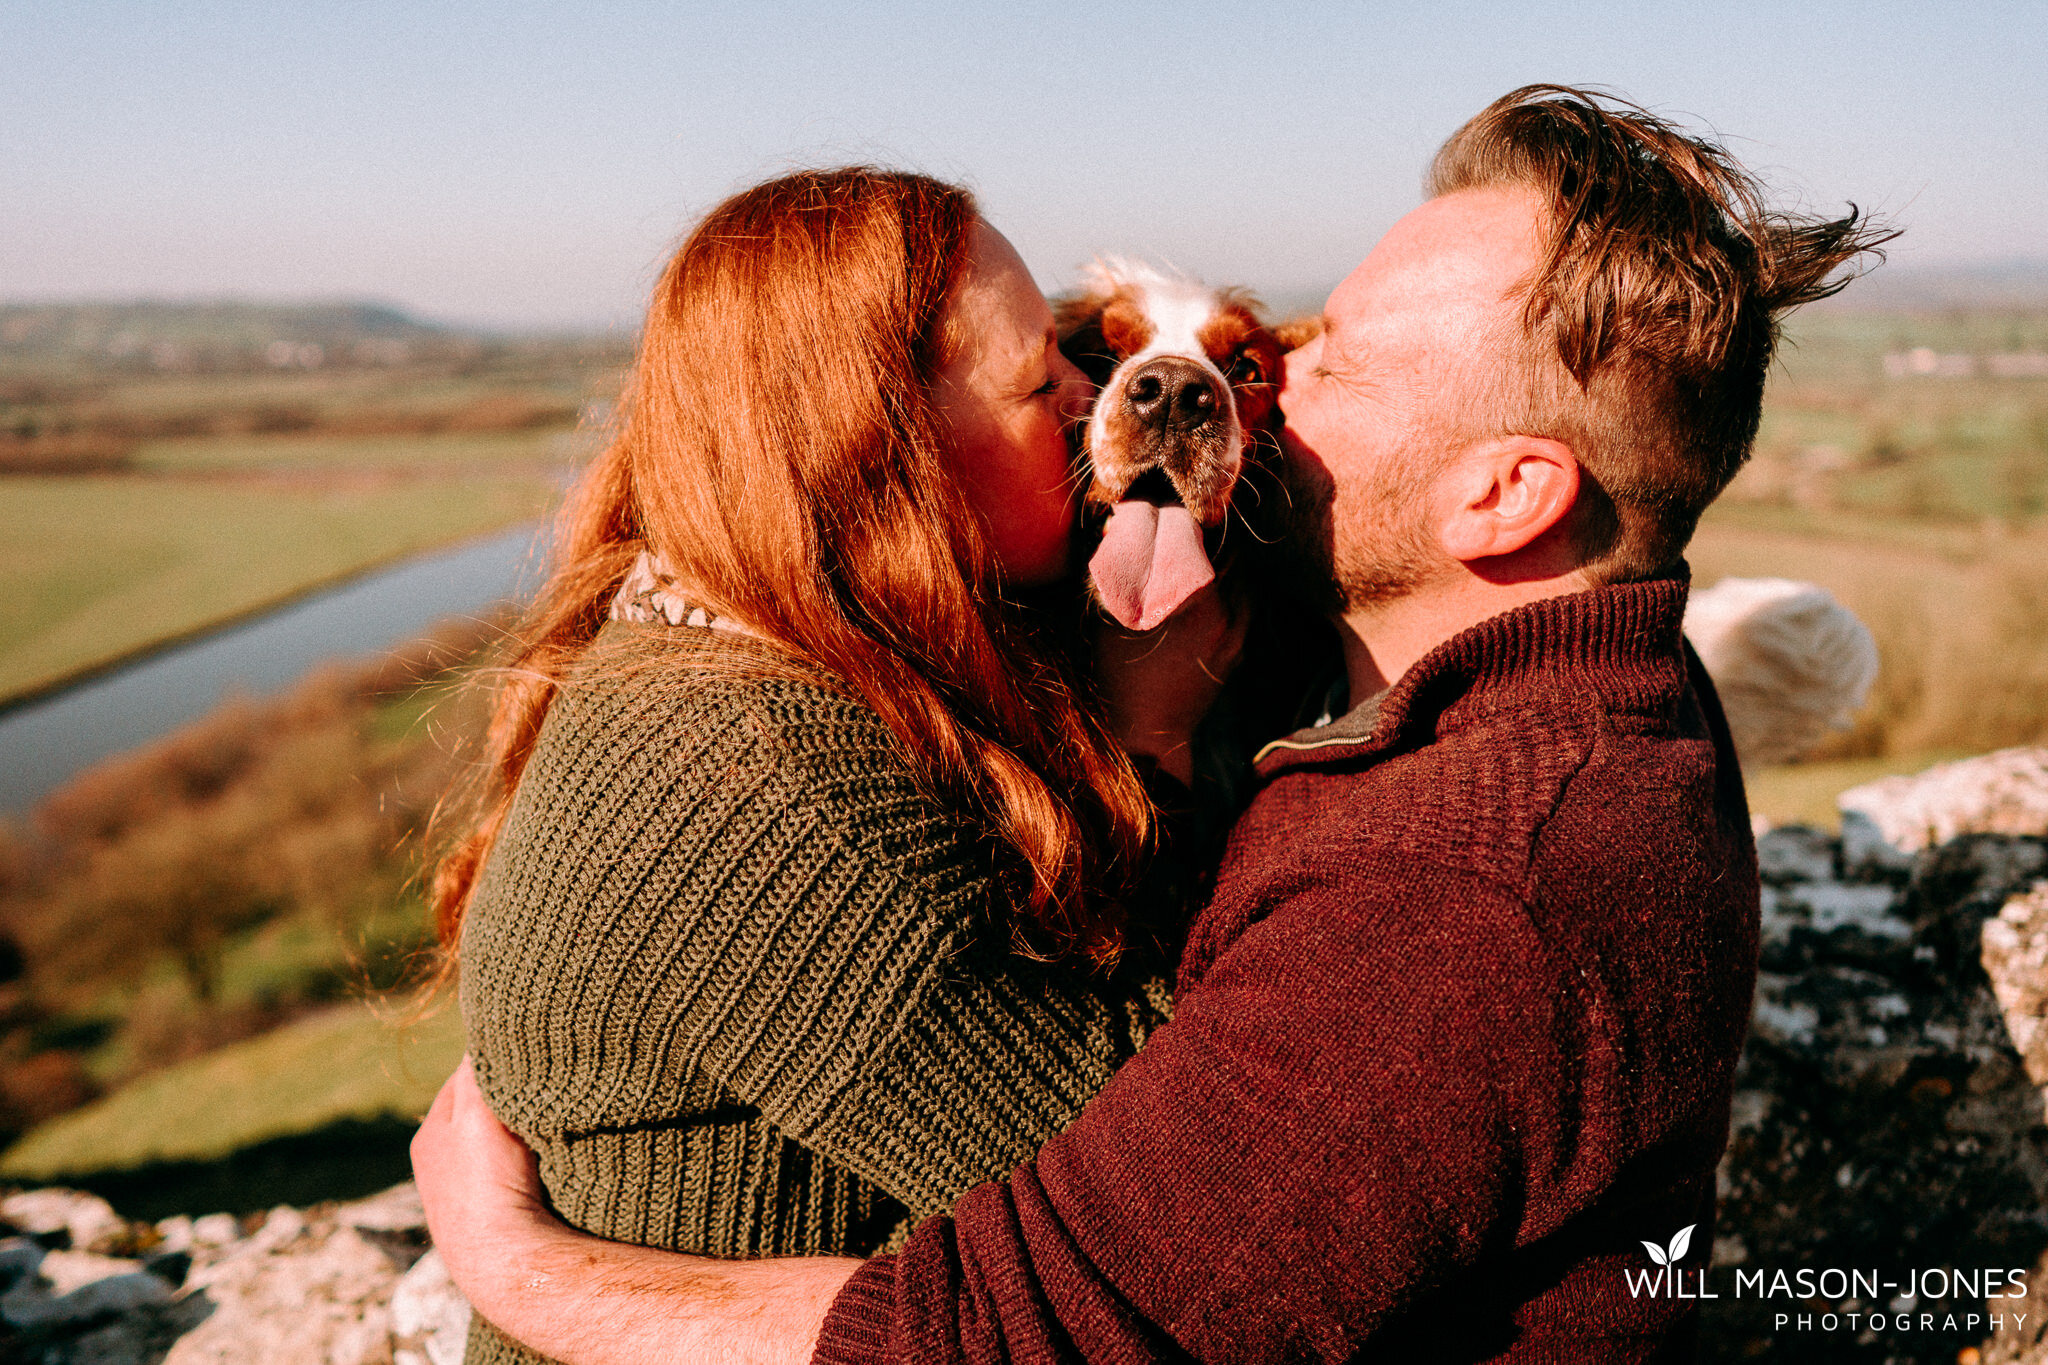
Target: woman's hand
{"type": "Point", "coordinates": [1158, 684]}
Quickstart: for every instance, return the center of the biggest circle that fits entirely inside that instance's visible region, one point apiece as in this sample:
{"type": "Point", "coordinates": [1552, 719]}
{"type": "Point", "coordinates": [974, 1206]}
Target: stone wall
{"type": "Point", "coordinates": [1888, 1115]}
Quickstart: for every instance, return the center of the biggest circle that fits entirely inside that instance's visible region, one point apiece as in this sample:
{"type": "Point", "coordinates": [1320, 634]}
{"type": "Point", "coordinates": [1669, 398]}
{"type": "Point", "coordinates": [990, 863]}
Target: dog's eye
{"type": "Point", "coordinates": [1245, 370]}
{"type": "Point", "coordinates": [1051, 385]}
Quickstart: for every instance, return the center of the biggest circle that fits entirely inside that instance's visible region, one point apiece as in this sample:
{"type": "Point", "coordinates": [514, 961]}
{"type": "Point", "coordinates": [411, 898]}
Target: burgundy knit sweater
{"type": "Point", "coordinates": [1453, 1038]}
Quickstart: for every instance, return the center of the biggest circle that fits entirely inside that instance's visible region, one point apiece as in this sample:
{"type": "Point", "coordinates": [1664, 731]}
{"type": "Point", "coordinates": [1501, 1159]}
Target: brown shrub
{"type": "Point", "coordinates": [41, 1086]}
{"type": "Point", "coordinates": [510, 412]}
{"type": "Point", "coordinates": [303, 807]}
{"type": "Point", "coordinates": [88, 452]}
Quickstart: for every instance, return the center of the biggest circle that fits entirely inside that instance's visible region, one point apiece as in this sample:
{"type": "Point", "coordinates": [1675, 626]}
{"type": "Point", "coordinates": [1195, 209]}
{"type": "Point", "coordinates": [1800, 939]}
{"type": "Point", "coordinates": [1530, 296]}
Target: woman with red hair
{"type": "Point", "coordinates": [792, 909]}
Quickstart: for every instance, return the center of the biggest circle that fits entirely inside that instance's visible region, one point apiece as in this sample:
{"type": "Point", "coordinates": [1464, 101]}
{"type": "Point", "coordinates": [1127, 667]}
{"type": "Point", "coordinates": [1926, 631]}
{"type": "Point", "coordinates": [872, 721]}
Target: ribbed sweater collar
{"type": "Point", "coordinates": [1621, 643]}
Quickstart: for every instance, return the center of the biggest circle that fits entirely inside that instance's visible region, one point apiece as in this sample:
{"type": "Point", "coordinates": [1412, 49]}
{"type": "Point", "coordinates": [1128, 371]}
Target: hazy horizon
{"type": "Point", "coordinates": [2015, 282]}
{"type": "Point", "coordinates": [529, 167]}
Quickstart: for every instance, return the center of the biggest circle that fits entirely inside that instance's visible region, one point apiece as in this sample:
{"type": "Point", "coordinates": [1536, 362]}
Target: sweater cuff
{"type": "Point", "coordinates": [856, 1330]}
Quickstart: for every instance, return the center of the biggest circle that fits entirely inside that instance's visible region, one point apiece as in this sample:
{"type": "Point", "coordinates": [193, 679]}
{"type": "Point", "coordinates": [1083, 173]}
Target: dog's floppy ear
{"type": "Point", "coordinates": [1078, 320]}
{"type": "Point", "coordinates": [1297, 332]}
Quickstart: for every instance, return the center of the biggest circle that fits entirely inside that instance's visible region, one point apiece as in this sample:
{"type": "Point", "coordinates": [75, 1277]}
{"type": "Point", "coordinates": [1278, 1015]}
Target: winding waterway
{"type": "Point", "coordinates": [51, 739]}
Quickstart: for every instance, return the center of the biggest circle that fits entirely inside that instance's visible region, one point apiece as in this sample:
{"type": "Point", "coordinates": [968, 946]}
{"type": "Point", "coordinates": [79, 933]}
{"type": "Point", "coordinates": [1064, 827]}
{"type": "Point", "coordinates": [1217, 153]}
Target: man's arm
{"type": "Point", "coordinates": [585, 1301]}
{"type": "Point", "coordinates": [1349, 1110]}
{"type": "Point", "coordinates": [1368, 1091]}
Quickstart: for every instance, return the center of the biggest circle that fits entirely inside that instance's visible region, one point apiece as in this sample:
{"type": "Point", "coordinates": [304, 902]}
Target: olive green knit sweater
{"type": "Point", "coordinates": [739, 984]}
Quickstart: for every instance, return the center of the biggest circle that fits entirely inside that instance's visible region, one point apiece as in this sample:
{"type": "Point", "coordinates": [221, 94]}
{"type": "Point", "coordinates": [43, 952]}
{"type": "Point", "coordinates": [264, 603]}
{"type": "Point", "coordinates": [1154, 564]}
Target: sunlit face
{"type": "Point", "coordinates": [1409, 339]}
{"type": "Point", "coordinates": [1006, 398]}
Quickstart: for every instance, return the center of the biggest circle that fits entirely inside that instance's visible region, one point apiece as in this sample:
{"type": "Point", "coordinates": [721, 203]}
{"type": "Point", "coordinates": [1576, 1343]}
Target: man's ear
{"type": "Point", "coordinates": [1506, 494]}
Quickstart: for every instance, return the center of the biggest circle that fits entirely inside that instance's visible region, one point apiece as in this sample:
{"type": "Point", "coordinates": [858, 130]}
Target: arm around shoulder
{"type": "Point", "coordinates": [1343, 1114]}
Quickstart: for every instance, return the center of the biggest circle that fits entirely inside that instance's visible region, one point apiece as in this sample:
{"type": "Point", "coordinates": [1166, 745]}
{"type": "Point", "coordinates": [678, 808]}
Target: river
{"type": "Point", "coordinates": [53, 738]}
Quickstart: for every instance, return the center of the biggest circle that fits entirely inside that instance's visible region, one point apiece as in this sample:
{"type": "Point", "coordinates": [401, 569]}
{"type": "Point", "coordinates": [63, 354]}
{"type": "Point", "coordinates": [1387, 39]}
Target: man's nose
{"type": "Point", "coordinates": [1297, 362]}
{"type": "Point", "coordinates": [1172, 394]}
{"type": "Point", "coordinates": [1295, 368]}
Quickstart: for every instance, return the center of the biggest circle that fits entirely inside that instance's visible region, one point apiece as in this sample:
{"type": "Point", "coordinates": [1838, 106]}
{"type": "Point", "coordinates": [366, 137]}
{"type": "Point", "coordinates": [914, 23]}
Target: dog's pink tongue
{"type": "Point", "coordinates": [1151, 560]}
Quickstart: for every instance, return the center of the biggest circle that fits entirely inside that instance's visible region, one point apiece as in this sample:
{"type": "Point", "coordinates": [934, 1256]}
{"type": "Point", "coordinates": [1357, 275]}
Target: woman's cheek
{"type": "Point", "coordinates": [1063, 489]}
{"type": "Point", "coordinates": [1050, 497]}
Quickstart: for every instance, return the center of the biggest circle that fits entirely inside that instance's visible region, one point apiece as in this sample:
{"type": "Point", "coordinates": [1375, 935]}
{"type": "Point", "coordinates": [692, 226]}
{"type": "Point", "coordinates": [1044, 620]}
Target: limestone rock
{"type": "Point", "coordinates": [294, 1291]}
{"type": "Point", "coordinates": [87, 1220]}
{"type": "Point", "coordinates": [397, 1209]}
{"type": "Point", "coordinates": [1887, 1111]}
{"type": "Point", "coordinates": [349, 1284]}
{"type": "Point", "coordinates": [79, 1286]}
{"type": "Point", "coordinates": [1999, 793]}
{"type": "Point", "coordinates": [2016, 960]}
{"type": "Point", "coordinates": [429, 1316]}
{"type": "Point", "coordinates": [215, 1230]}
{"type": "Point", "coordinates": [19, 1256]}
{"type": "Point", "coordinates": [1866, 852]}
{"type": "Point", "coordinates": [1795, 853]}
{"type": "Point", "coordinates": [175, 1233]}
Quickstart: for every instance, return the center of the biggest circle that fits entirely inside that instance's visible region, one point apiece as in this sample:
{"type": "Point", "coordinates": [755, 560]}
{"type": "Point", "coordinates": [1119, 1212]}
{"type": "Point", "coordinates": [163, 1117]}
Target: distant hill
{"type": "Point", "coordinates": [226, 334]}
{"type": "Point", "coordinates": [2019, 284]}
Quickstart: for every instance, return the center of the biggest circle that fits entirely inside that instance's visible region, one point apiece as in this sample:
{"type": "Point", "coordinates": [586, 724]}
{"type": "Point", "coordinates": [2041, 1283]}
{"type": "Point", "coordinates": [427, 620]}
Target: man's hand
{"type": "Point", "coordinates": [583, 1300]}
{"type": "Point", "coordinates": [1158, 684]}
{"type": "Point", "coordinates": [481, 1188]}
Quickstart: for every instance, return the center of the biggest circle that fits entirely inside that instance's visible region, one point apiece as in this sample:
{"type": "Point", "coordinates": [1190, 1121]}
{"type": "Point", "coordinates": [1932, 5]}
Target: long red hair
{"type": "Point", "coordinates": [780, 451]}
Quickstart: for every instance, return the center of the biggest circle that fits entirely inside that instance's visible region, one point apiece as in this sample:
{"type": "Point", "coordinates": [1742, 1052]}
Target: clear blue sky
{"type": "Point", "coordinates": [532, 163]}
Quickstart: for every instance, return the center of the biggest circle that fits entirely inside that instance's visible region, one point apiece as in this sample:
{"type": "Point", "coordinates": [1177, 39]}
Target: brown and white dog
{"type": "Point", "coordinates": [1187, 477]}
{"type": "Point", "coordinates": [1184, 423]}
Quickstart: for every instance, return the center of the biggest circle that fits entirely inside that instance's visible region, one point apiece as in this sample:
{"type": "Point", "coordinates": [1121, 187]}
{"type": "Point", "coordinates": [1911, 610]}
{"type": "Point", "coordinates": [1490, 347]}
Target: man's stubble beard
{"type": "Point", "coordinates": [1393, 568]}
{"type": "Point", "coordinates": [1380, 552]}
{"type": "Point", "coordinates": [1383, 550]}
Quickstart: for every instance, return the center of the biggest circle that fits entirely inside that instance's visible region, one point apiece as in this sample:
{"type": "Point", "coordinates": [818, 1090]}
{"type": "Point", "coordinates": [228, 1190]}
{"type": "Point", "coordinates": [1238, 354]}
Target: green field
{"type": "Point", "coordinates": [1921, 501]}
{"type": "Point", "coordinates": [143, 504]}
{"type": "Point", "coordinates": [488, 455]}
{"type": "Point", "coordinates": [1805, 793]}
{"type": "Point", "coordinates": [1848, 427]}
{"type": "Point", "coordinates": [351, 1062]}
{"type": "Point", "coordinates": [95, 568]}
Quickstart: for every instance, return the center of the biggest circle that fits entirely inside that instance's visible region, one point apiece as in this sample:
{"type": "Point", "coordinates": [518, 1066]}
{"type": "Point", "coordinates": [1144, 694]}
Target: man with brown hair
{"type": "Point", "coordinates": [1455, 1035]}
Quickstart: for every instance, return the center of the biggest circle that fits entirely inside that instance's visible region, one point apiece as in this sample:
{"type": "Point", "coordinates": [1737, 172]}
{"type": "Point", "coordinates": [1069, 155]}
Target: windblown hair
{"type": "Point", "coordinates": [781, 453]}
{"type": "Point", "coordinates": [1650, 323]}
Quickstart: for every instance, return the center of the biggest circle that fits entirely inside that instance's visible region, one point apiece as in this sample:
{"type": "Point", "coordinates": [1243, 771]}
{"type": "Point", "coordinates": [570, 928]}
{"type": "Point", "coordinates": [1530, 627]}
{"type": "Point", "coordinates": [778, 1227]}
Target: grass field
{"type": "Point", "coordinates": [478, 454]}
{"type": "Point", "coordinates": [142, 505]}
{"type": "Point", "coordinates": [1920, 499]}
{"type": "Point", "coordinates": [96, 567]}
{"type": "Point", "coordinates": [1960, 615]}
{"type": "Point", "coordinates": [1804, 793]}
{"type": "Point", "coordinates": [1848, 427]}
{"type": "Point", "coordinates": [351, 1062]}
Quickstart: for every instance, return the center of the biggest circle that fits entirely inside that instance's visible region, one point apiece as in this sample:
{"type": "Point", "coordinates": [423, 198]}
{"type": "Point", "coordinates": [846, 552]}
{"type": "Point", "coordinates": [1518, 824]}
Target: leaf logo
{"type": "Point", "coordinates": [1673, 1254]}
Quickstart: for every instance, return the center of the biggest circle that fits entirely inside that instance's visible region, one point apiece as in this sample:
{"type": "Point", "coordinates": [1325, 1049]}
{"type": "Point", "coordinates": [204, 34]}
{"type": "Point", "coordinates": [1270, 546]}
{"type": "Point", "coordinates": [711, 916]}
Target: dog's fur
{"type": "Point", "coordinates": [1219, 457]}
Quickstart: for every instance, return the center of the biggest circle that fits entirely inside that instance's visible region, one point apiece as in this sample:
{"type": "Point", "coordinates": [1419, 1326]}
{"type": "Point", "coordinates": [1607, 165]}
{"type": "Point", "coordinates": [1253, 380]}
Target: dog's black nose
{"type": "Point", "coordinates": [1172, 393]}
